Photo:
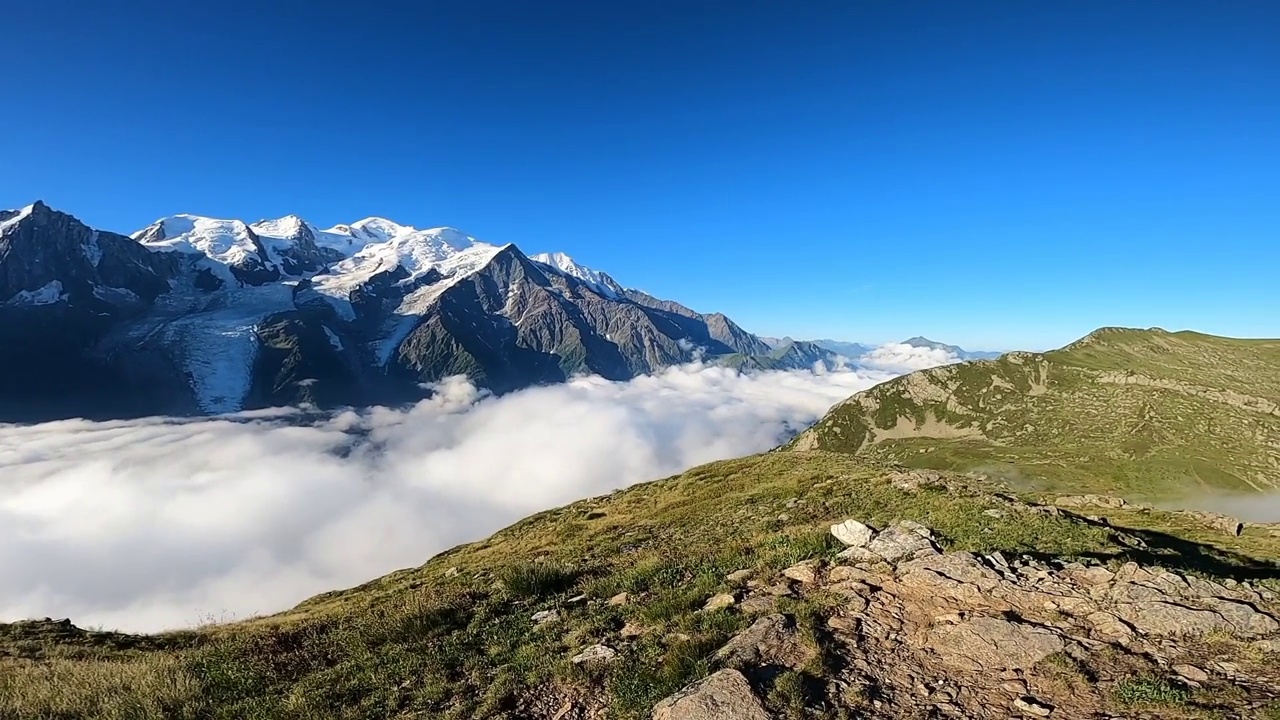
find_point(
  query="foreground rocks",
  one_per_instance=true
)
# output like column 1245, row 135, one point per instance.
column 909, row 631
column 725, row 695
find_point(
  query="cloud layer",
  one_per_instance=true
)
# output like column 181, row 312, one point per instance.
column 901, row 358
column 160, row 523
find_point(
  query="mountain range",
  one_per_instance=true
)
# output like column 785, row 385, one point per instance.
column 196, row 315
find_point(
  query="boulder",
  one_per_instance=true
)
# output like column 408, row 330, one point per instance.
column 1168, row 619
column 852, row 533
column 859, row 555
column 1080, row 501
column 1216, row 521
column 724, row 695
column 902, row 540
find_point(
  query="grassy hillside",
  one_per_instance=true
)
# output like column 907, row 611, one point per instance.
column 1147, row 413
column 455, row 638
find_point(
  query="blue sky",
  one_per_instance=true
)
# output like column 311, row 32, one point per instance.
column 997, row 175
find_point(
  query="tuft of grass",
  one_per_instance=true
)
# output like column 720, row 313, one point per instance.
column 535, row 580
column 651, row 672
column 1149, row 690
column 790, row 695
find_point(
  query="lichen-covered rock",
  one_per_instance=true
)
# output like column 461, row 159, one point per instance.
column 595, row 654
column 719, row 602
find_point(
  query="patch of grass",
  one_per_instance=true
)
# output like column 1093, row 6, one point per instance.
column 152, row 686
column 533, row 580
column 651, row 672
column 1149, row 690
column 1064, row 671
column 789, row 694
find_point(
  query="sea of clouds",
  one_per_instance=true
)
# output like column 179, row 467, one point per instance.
column 162, row 523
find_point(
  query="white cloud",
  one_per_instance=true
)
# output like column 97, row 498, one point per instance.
column 902, row 358
column 161, row 523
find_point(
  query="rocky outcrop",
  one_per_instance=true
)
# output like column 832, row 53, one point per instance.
column 918, row 632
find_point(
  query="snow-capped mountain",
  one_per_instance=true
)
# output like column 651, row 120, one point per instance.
column 565, row 265
column 202, row 315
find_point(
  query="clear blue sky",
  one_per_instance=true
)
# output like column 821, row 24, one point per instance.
column 997, row 175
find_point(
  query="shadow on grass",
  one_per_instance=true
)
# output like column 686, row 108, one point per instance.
column 1156, row 548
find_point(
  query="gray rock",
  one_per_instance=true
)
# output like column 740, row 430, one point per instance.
column 595, row 654
column 1217, row 521
column 545, row 616
column 724, row 695
column 1243, row 618
column 1192, row 673
column 802, row 572
column 902, row 540
column 1168, row 619
column 1031, row 706
column 859, row 555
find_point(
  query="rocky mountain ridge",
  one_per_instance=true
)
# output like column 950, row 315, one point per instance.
column 199, row 315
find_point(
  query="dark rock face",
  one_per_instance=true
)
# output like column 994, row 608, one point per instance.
column 301, row 361
column 48, row 246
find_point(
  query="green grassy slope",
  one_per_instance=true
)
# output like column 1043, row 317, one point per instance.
column 454, row 638
column 1145, row 413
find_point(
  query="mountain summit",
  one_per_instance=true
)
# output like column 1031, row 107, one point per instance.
column 193, row 314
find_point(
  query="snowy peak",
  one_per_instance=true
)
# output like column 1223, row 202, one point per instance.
column 565, row 265
column 225, row 241
column 287, row 227
column 381, row 230
column 10, row 218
